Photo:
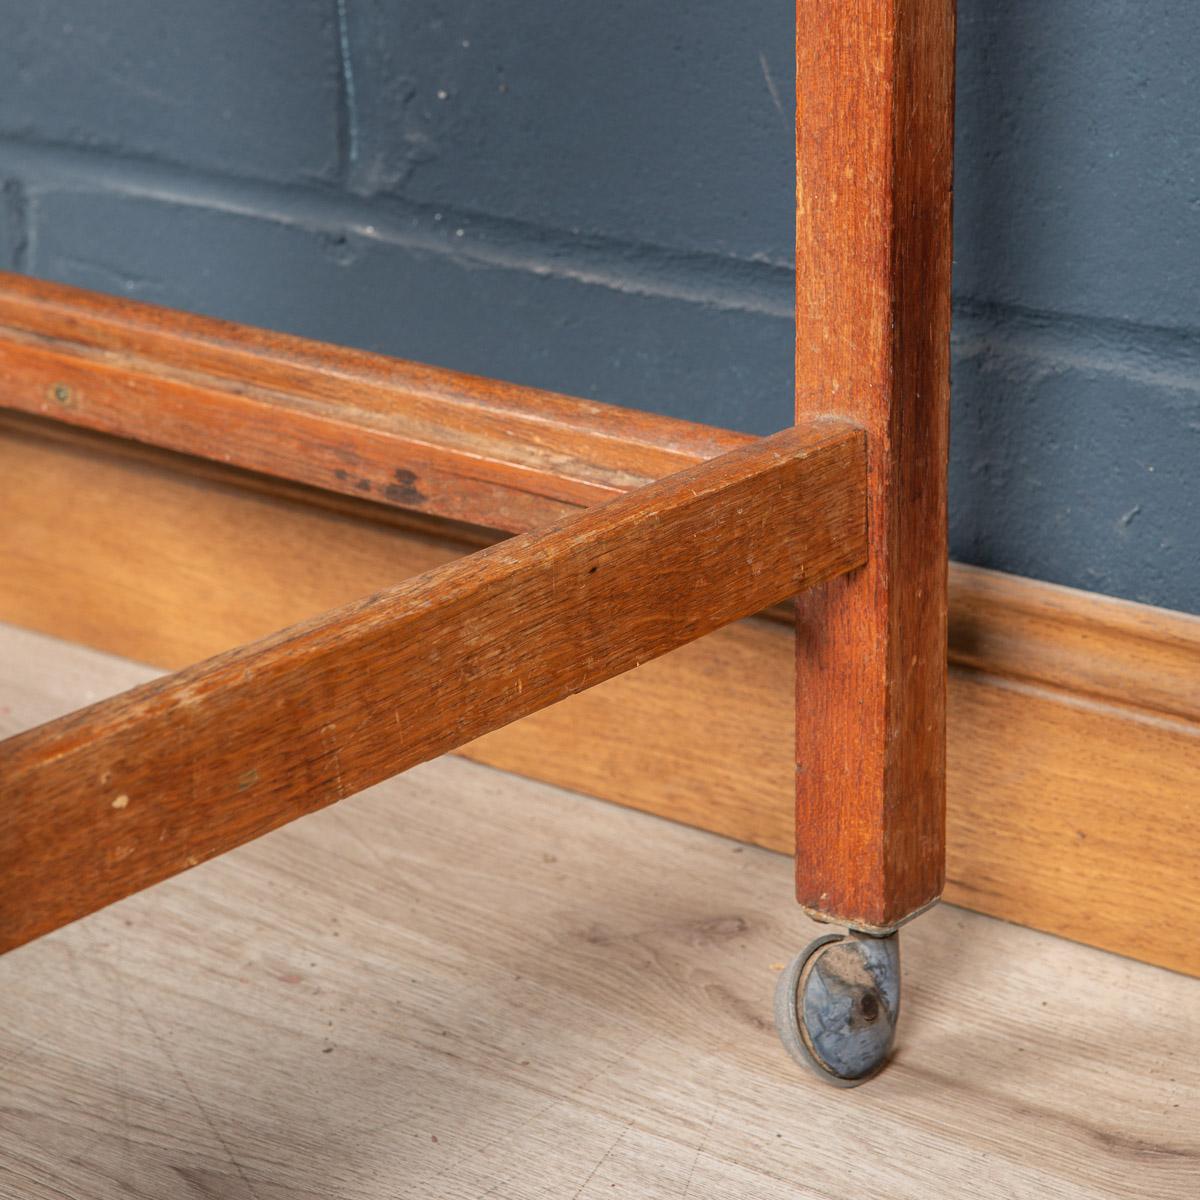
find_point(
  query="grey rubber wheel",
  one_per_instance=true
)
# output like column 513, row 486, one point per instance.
column 837, row 1003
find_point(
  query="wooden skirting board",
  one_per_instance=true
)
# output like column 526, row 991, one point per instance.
column 1074, row 741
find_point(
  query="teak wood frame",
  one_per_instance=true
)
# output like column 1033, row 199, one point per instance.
column 327, row 705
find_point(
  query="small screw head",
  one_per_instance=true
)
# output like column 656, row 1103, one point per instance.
column 61, row 394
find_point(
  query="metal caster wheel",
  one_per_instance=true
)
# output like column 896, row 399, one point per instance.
column 836, row 1006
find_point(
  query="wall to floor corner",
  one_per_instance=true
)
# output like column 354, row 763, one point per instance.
column 597, row 199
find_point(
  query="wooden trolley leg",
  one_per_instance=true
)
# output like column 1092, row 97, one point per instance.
column 874, row 148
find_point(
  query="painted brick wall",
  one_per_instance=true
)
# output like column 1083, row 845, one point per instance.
column 596, row 198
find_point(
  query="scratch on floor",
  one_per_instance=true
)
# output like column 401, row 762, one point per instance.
column 348, row 828
column 200, row 1108
column 120, row 997
column 687, row 1187
column 603, row 1159
column 554, row 1102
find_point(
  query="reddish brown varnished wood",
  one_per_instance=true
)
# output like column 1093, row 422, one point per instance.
column 874, row 145
column 432, row 440
column 874, row 149
column 117, row 796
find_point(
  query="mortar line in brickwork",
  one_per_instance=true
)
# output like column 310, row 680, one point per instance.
column 1098, row 343
column 1163, row 357
column 695, row 276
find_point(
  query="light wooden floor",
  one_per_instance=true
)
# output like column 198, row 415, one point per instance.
column 463, row 984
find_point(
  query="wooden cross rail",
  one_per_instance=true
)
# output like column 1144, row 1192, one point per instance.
column 120, row 795
column 431, row 440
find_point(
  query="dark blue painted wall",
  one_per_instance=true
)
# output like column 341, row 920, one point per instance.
column 597, row 198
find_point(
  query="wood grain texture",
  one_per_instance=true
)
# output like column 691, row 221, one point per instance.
column 512, row 458
column 874, row 148
column 359, row 424
column 1089, row 645
column 169, row 560
column 1065, row 814
column 361, row 1005
column 122, row 794
column 1069, row 809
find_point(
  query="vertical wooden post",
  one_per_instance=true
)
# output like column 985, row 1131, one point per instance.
column 874, row 148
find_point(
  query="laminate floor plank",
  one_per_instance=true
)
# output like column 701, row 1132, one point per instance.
column 465, row 984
